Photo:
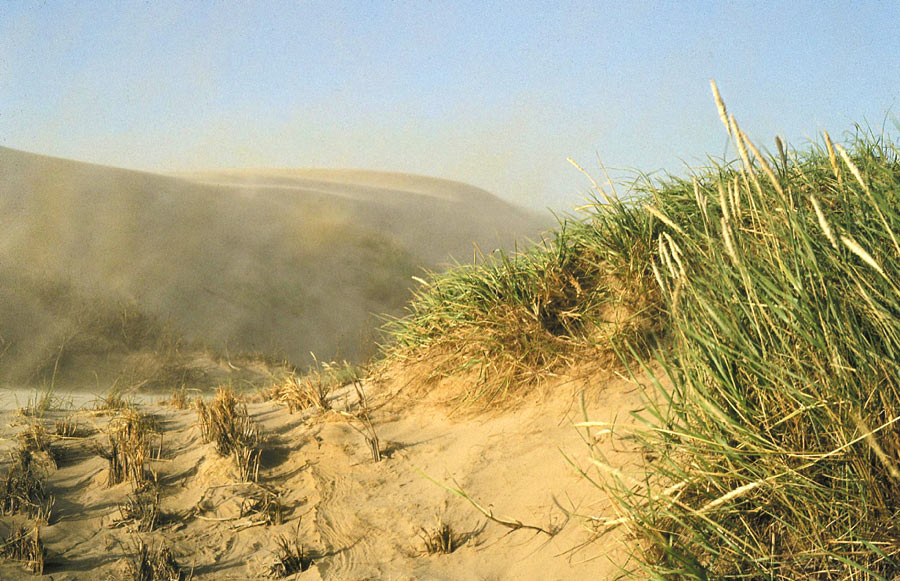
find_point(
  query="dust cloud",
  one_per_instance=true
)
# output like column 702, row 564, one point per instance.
column 98, row 264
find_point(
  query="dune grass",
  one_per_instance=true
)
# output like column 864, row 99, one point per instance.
column 776, row 448
column 513, row 318
column 772, row 284
column 226, row 422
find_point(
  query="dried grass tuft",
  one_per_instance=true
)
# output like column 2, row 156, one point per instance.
column 22, row 490
column 128, row 435
column 226, row 422
column 290, row 557
column 25, row 547
column 147, row 564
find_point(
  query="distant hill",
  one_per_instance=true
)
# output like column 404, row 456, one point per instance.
column 282, row 262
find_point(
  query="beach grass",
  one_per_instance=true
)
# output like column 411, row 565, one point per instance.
column 765, row 291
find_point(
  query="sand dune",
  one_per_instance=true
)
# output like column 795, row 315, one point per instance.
column 356, row 518
column 283, row 262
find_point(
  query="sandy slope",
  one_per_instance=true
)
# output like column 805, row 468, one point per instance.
column 278, row 261
column 360, row 518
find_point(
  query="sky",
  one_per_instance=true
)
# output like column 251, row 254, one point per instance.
column 495, row 94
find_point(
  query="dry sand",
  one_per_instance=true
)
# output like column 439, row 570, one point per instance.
column 358, row 518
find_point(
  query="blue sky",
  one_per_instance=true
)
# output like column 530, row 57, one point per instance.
column 494, row 94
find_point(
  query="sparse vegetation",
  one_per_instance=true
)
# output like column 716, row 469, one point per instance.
column 23, row 490
column 141, row 509
column 364, row 417
column 440, row 540
column 179, row 399
column 25, row 547
column 128, row 435
column 113, row 401
column 312, row 389
column 69, row 427
column 36, row 439
column 290, row 556
column 40, row 403
column 148, row 564
column 226, row 422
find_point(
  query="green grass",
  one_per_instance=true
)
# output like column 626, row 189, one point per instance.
column 513, row 318
column 773, row 284
column 778, row 430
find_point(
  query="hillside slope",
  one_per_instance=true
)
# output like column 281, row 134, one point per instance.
column 279, row 261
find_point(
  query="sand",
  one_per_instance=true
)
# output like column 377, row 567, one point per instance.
column 359, row 519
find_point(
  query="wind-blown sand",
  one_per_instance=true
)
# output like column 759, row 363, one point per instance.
column 359, row 519
column 283, row 262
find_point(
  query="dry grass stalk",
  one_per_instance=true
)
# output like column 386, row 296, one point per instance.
column 823, row 223
column 368, row 427
column 227, row 423
column 22, row 490
column 153, row 564
column 441, row 540
column 179, row 399
column 267, row 505
column 25, row 547
column 720, row 105
column 300, row 393
column 832, row 158
column 290, row 557
column 129, row 447
column 141, row 509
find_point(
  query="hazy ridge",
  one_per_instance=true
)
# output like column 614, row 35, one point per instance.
column 278, row 261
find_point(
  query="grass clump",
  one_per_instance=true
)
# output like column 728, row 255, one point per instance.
column 514, row 318
column 290, row 557
column 179, row 399
column 141, row 510
column 25, row 547
column 113, row 402
column 148, row 564
column 440, row 540
column 311, row 390
column 226, row 422
column 775, row 450
column 69, row 427
column 22, row 489
column 773, row 445
column 37, row 440
column 128, row 436
column 40, row 403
